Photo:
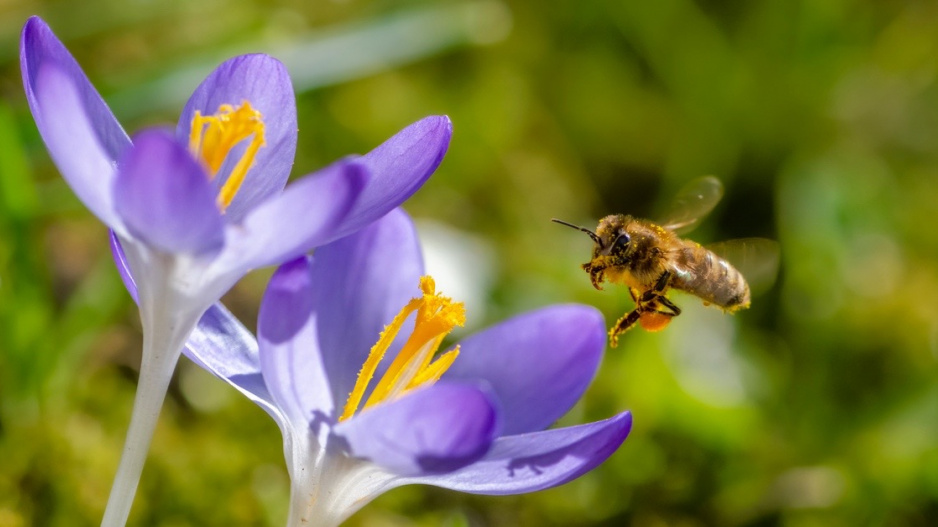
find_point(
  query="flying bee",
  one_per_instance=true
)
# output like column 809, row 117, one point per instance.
column 650, row 258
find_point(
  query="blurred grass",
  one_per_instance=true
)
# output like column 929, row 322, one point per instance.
column 818, row 406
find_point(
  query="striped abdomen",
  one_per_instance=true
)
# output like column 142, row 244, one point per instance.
column 704, row 274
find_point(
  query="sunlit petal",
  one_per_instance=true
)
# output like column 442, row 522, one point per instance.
column 537, row 460
column 429, row 431
column 539, row 364
column 264, row 82
column 164, row 197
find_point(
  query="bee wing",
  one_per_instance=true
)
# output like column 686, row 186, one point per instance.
column 756, row 258
column 693, row 202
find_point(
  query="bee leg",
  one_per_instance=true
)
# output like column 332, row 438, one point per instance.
column 650, row 301
column 655, row 293
column 675, row 311
column 635, row 296
column 596, row 274
column 659, row 304
column 663, row 281
column 597, row 280
column 622, row 325
column 648, row 298
column 657, row 313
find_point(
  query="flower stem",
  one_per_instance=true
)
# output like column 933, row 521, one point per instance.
column 161, row 351
column 303, row 463
column 324, row 492
column 301, row 508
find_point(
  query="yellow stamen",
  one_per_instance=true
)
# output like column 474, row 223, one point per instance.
column 435, row 370
column 436, row 316
column 211, row 138
column 375, row 356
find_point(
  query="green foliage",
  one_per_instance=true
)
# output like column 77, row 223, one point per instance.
column 818, row 406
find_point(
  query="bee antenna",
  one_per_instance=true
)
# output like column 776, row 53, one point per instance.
column 592, row 234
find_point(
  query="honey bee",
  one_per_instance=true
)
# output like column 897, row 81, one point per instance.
column 651, row 259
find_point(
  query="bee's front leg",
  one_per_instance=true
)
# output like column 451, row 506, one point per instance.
column 596, row 274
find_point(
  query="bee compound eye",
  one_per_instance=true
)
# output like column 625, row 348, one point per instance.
column 622, row 241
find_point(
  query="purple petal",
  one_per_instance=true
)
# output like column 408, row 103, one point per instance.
column 123, row 266
column 264, row 82
column 69, row 132
column 300, row 218
column 361, row 283
column 165, row 198
column 429, row 431
column 399, row 167
column 290, row 358
column 82, row 135
column 538, row 460
column 224, row 347
column 538, row 364
column 40, row 47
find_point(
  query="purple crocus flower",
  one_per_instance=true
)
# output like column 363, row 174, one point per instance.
column 480, row 429
column 195, row 209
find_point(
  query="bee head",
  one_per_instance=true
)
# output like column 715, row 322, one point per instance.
column 615, row 243
column 621, row 245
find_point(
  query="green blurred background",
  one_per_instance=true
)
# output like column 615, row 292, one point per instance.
column 818, row 406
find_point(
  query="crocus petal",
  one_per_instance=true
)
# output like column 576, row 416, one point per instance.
column 361, row 282
column 69, row 132
column 538, row 364
column 290, row 358
column 429, row 431
column 262, row 81
column 227, row 349
column 301, row 217
column 123, row 266
column 538, row 460
column 165, row 198
column 82, row 135
column 399, row 166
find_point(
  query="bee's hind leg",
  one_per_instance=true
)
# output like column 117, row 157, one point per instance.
column 622, row 325
column 663, row 282
column 661, row 285
column 636, row 296
column 656, row 314
column 654, row 300
column 651, row 301
column 674, row 310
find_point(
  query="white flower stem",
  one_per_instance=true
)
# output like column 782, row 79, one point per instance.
column 161, row 349
column 308, row 509
column 304, row 464
column 302, row 511
column 326, row 492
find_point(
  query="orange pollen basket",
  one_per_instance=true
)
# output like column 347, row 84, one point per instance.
column 212, row 137
column 414, row 366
